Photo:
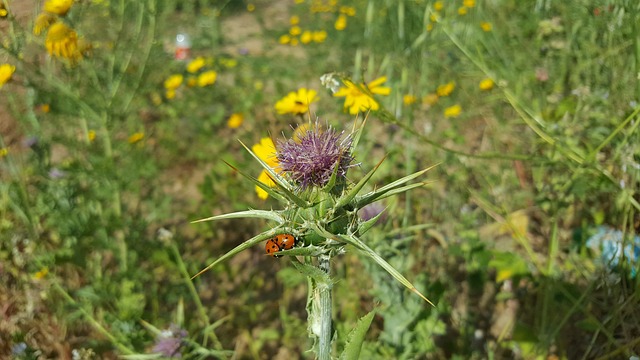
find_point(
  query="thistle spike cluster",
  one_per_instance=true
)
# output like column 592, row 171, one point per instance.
column 312, row 159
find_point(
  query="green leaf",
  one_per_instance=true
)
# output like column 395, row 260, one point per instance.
column 245, row 245
column 257, row 214
column 356, row 242
column 345, row 199
column 376, row 194
column 355, row 339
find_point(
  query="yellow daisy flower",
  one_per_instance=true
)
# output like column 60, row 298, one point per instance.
column 446, row 89
column 469, row 3
column 135, row 137
column 58, row 7
column 6, row 72
column 173, row 82
column 296, row 102
column 486, row 84
column 91, row 135
column 3, row 152
column 235, row 120
column 357, row 100
column 62, row 41
column 3, row 10
column 251, row 7
column 430, row 99
column 294, row 20
column 295, row 30
column 486, row 26
column 408, row 99
column 195, row 65
column 207, row 78
column 284, row 39
column 438, row 5
column 452, row 111
column 266, row 151
column 341, row 22
column 462, row 10
column 319, row 36
column 306, row 37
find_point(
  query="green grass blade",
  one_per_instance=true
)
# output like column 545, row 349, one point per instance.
column 345, row 199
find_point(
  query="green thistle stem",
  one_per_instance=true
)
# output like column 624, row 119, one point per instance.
column 323, row 291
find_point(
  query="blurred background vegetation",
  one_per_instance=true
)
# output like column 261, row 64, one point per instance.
column 526, row 240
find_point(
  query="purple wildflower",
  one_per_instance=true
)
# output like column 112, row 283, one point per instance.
column 370, row 211
column 56, row 173
column 168, row 343
column 311, row 160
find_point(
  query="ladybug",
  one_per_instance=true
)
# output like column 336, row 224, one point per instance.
column 285, row 241
column 271, row 247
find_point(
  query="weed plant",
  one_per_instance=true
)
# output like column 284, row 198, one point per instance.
column 525, row 239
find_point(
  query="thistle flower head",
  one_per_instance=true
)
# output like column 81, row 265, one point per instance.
column 311, row 159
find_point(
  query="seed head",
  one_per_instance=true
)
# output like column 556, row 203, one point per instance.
column 311, row 159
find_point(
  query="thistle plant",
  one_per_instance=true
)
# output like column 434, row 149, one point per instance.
column 320, row 208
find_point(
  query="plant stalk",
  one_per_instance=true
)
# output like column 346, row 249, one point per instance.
column 324, row 298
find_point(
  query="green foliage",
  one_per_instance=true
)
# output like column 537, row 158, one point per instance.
column 103, row 167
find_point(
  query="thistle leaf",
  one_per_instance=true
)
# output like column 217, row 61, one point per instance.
column 375, row 194
column 357, row 243
column 379, row 195
column 345, row 199
column 245, row 245
column 319, row 276
column 258, row 183
column 355, row 339
column 257, row 214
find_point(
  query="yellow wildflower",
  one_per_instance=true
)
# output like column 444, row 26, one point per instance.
column 229, row 63
column 251, row 7
column 434, row 17
column 41, row 274
column 207, row 78
column 3, row 152
column 452, row 111
column 486, row 84
column 195, row 64
column 3, row 10
column 462, row 10
column 348, row 10
column 266, row 151
column 430, row 99
column 429, row 27
column 300, row 131
column 294, row 42
column 295, row 30
column 408, row 99
column 486, row 26
column 438, row 5
column 191, row 81
column 296, row 102
column 170, row 94
column 42, row 23
column 469, row 3
column 6, row 72
column 173, row 82
column 446, row 89
column 58, row 7
column 135, row 137
column 341, row 22
column 235, row 120
column 319, row 36
column 45, row 108
column 299, row 1
column 62, row 41
column 357, row 100
column 91, row 135
column 306, row 37
column 284, row 39
column 294, row 20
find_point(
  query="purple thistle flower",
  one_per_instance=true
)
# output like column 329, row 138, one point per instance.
column 168, row 343
column 311, row 160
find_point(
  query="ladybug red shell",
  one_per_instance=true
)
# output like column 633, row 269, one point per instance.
column 285, row 241
column 271, row 247
column 278, row 243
